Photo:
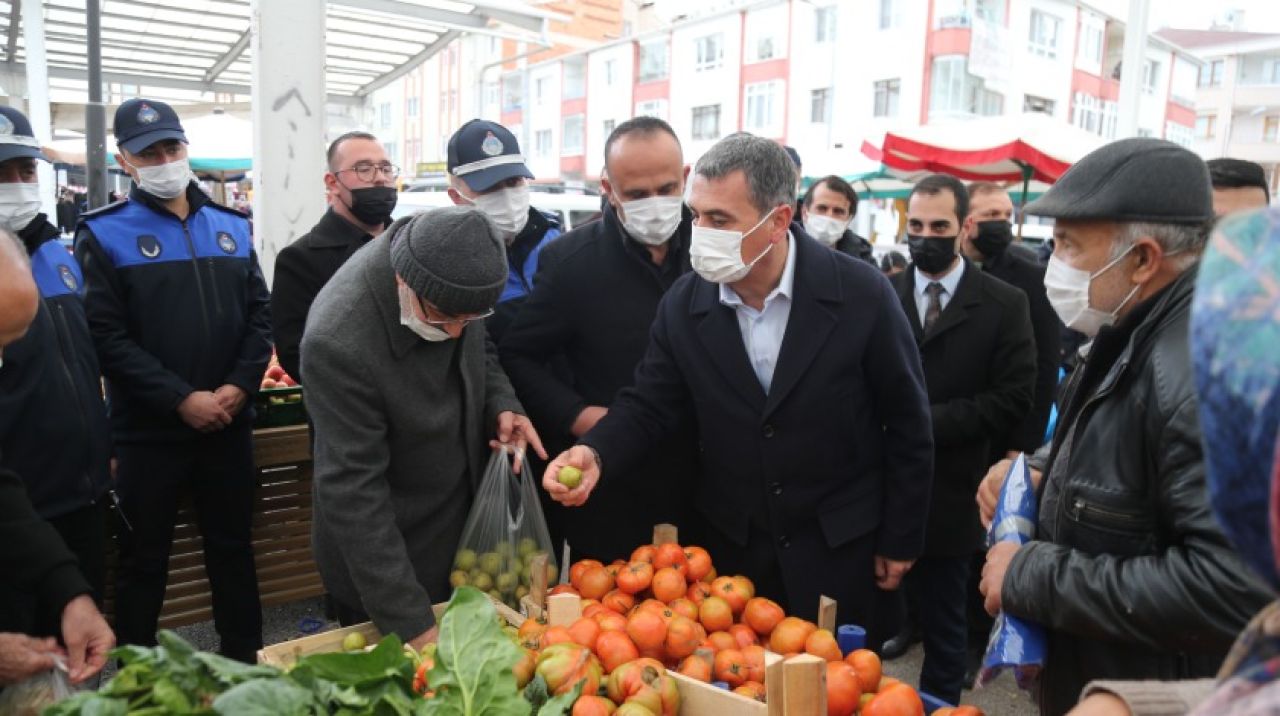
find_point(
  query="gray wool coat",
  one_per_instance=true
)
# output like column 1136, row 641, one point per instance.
column 401, row 440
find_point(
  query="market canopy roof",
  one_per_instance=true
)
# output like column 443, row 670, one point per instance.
column 1001, row 149
column 203, row 45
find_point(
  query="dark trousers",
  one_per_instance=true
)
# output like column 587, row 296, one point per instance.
column 217, row 471
column 936, row 588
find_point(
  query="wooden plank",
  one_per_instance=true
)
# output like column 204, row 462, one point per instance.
column 538, row 582
column 700, row 699
column 800, row 674
column 827, row 614
column 563, row 609
column 279, row 446
column 665, row 534
column 774, row 684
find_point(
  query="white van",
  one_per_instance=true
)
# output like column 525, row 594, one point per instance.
column 573, row 210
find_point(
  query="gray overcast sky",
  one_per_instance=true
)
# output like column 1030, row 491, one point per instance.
column 1259, row 15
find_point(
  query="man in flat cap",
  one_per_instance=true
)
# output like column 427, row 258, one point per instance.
column 404, row 398
column 1129, row 573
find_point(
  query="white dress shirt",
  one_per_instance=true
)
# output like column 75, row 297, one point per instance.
column 949, row 283
column 762, row 331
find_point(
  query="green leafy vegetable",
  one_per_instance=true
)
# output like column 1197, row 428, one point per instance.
column 268, row 697
column 473, row 670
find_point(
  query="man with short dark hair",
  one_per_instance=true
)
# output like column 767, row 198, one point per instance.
column 976, row 346
column 360, row 189
column 1238, row 185
column 632, row 255
column 826, row 211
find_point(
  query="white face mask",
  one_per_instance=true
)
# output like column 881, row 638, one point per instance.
column 716, row 254
column 824, row 228
column 19, row 204
column 409, row 318
column 508, row 209
column 653, row 220
column 165, row 181
column 1068, row 291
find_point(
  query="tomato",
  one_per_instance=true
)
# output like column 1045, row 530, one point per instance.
column 636, row 577
column 615, row 648
column 867, row 663
column 531, row 628
column 753, row 657
column 578, row 569
column 730, row 667
column 822, row 644
column 698, row 591
column 668, row 584
column 671, row 555
column 633, row 709
column 564, row 665
column 683, row 637
column 644, row 553
column 745, row 586
column 728, row 589
column 744, row 635
column 614, row 567
column 752, row 690
column 716, row 615
column 563, row 589
column 886, row 682
column 895, row 700
column 611, row 621
column 585, row 631
column 647, row 629
column 698, row 665
column 790, row 634
column 631, row 677
column 592, row 705
column 711, row 576
column 524, row 668
column 844, row 695
column 591, row 607
column 762, row 614
column 618, row 601
column 420, row 685
column 699, row 561
column 720, row 640
column 684, row 608
column 595, row 582
column 555, row 635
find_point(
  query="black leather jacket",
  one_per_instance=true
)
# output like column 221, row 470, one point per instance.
column 1130, row 574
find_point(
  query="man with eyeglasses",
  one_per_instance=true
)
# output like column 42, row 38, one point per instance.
column 405, row 398
column 360, row 189
column 487, row 171
column 181, row 320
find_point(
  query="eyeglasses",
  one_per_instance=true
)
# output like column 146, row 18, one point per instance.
column 450, row 321
column 368, row 171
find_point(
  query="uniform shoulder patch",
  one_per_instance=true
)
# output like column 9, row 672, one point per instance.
column 149, row 246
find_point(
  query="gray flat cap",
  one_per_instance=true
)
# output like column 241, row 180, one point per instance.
column 1137, row 179
column 452, row 257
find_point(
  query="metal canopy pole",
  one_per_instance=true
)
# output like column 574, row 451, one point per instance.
column 95, row 114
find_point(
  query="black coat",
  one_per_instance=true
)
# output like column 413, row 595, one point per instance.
column 979, row 365
column 1019, row 269
column 576, row 343
column 34, row 560
column 302, row 269
column 856, row 246
column 833, row 466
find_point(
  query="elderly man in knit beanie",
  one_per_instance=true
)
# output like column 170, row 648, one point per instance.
column 405, row 394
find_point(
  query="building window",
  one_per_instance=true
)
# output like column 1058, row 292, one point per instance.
column 652, row 108
column 706, row 122
column 824, row 23
column 763, row 103
column 950, row 13
column 762, row 49
column 1045, row 30
column 540, row 91
column 1150, row 76
column 384, row 115
column 492, row 91
column 393, row 152
column 411, row 107
column 575, row 78
column 991, row 11
column 610, row 71
column 653, row 61
column 1274, row 75
column 571, row 136
column 1211, row 73
column 606, row 127
column 889, row 17
column 1091, row 44
column 820, row 105
column 953, row 91
column 1270, row 128
column 512, row 93
column 710, row 52
column 886, row 100
column 1179, row 134
column 542, row 142
column 1032, row 103
column 1206, row 126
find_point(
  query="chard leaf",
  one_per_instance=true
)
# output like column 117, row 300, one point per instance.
column 266, row 697
column 473, row 670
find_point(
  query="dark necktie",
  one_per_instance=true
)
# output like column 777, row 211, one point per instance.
column 934, row 291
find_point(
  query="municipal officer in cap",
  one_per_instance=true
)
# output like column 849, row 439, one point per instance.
column 53, row 424
column 487, row 170
column 180, row 314
column 405, row 398
column 1129, row 572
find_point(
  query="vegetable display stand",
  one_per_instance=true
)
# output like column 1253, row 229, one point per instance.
column 282, row 555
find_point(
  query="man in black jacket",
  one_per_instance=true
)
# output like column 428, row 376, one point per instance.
column 826, row 211
column 53, row 425
column 35, row 560
column 360, row 189
column 976, row 346
column 594, row 298
column 1129, row 573
column 181, row 319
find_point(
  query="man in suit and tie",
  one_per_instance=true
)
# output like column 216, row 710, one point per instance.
column 797, row 367
column 975, row 340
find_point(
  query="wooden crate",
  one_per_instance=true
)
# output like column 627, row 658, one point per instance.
column 281, row 535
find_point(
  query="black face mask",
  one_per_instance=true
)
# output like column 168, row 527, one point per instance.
column 993, row 238
column 372, row 205
column 932, row 254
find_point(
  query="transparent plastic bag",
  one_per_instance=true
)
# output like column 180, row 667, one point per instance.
column 504, row 533
column 33, row 696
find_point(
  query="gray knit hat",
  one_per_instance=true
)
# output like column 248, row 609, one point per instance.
column 1136, row 179
column 452, row 257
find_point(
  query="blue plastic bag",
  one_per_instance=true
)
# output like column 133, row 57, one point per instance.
column 1014, row 643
